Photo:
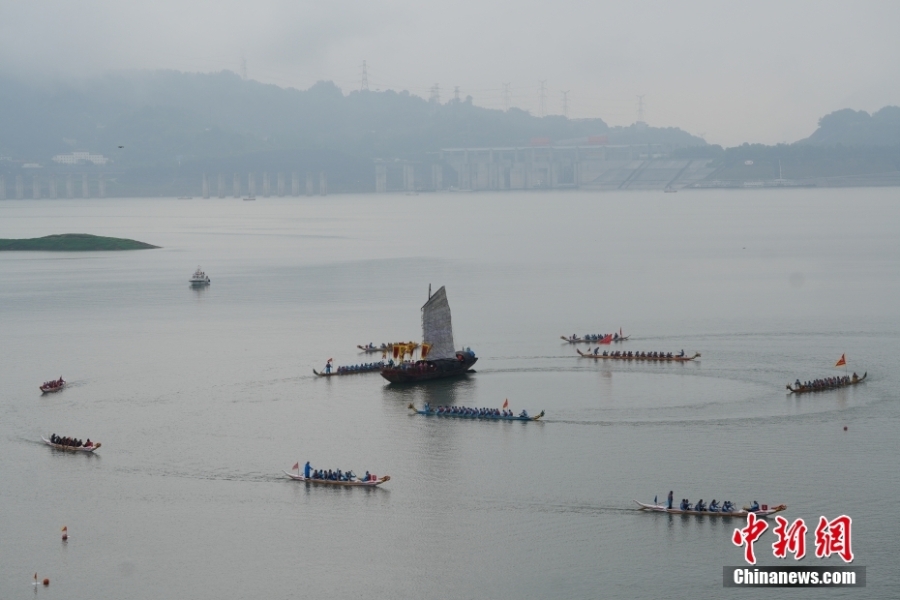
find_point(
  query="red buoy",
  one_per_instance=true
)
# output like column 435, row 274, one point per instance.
column 46, row 581
column 845, row 428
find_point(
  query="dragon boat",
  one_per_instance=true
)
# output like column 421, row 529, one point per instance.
column 578, row 340
column 374, row 349
column 352, row 483
column 439, row 359
column 88, row 449
column 824, row 388
column 353, row 370
column 430, row 412
column 764, row 511
column 49, row 387
column 634, row 356
column 387, row 348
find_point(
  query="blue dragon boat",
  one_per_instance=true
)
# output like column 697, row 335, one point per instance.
column 472, row 413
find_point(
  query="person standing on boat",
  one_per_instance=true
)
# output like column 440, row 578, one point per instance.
column 306, row 470
column 671, row 498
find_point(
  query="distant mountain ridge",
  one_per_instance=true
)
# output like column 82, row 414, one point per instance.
column 168, row 117
column 850, row 127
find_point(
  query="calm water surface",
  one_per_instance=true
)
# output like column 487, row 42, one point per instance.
column 201, row 397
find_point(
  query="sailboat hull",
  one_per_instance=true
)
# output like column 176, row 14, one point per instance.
column 425, row 370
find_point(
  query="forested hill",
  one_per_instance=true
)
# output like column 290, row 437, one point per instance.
column 849, row 127
column 165, row 116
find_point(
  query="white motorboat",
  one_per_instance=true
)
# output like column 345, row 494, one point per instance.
column 199, row 277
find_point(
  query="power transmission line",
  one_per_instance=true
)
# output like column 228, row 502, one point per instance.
column 565, row 96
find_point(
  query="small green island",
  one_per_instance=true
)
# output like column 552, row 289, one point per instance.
column 73, row 242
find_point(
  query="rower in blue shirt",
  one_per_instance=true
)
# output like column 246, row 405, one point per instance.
column 754, row 506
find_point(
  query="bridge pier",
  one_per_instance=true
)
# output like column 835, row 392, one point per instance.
column 380, row 178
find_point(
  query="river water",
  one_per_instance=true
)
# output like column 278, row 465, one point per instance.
column 201, row 397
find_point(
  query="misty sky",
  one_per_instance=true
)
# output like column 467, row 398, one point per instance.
column 756, row 71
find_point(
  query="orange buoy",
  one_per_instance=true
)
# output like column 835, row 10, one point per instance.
column 46, row 581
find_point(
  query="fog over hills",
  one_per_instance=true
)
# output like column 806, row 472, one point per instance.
column 162, row 130
column 167, row 117
column 858, row 128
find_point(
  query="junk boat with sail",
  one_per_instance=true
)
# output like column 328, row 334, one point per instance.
column 438, row 357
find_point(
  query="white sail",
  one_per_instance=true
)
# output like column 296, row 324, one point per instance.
column 437, row 330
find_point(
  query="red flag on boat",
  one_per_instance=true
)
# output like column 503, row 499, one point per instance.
column 607, row 339
column 842, row 361
column 506, row 403
column 296, row 466
column 330, row 359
